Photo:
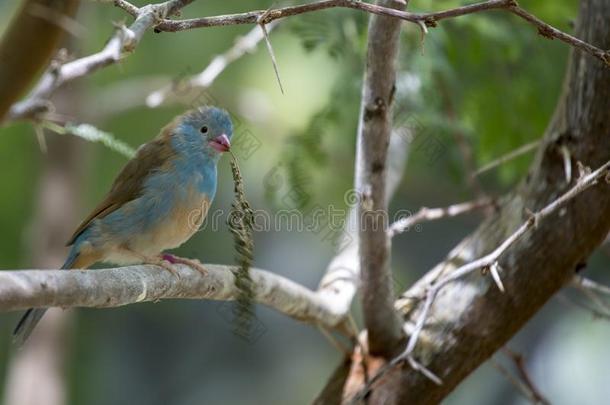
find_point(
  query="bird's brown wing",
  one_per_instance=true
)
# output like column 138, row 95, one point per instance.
column 128, row 184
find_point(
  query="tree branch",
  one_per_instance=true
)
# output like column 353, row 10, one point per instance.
column 129, row 285
column 374, row 128
column 428, row 19
column 470, row 319
column 126, row 39
column 490, row 261
column 431, row 214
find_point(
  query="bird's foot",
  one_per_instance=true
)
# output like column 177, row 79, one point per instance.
column 194, row 263
column 168, row 265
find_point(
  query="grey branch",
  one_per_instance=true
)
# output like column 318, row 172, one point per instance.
column 129, row 285
column 374, row 129
column 342, row 277
column 432, row 214
column 528, row 147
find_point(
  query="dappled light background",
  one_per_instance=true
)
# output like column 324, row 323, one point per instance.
column 488, row 79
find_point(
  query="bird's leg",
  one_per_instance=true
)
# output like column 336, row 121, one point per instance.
column 160, row 261
column 166, row 264
column 194, row 263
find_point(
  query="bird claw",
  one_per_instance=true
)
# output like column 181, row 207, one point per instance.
column 169, row 266
column 193, row 263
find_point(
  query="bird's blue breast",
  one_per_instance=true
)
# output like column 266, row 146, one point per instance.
column 168, row 188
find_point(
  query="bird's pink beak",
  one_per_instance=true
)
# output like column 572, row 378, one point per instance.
column 221, row 143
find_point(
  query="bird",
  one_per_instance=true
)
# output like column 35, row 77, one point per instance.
column 157, row 202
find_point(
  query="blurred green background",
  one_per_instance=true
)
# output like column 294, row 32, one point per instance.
column 487, row 78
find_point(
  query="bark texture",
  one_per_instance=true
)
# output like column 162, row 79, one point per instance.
column 470, row 318
column 374, row 128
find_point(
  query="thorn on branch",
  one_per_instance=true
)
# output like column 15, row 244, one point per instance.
column 567, row 163
column 261, row 22
column 494, row 269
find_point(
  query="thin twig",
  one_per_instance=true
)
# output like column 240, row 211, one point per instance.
column 429, row 19
column 271, row 54
column 519, row 361
column 508, row 157
column 583, row 282
column 597, row 314
column 591, row 289
column 126, row 39
column 430, row 214
column 517, row 383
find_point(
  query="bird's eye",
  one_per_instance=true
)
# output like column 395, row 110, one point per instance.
column 204, row 130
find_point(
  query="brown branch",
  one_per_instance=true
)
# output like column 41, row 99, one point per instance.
column 28, row 44
column 429, row 19
column 252, row 17
column 490, row 261
column 528, row 147
column 374, row 128
column 470, row 319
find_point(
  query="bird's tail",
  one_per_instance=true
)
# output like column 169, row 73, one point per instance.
column 30, row 319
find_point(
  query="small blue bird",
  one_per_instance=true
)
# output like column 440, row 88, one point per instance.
column 157, row 202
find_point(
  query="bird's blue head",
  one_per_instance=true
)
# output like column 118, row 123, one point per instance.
column 205, row 127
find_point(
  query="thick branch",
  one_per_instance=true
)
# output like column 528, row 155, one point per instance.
column 374, row 128
column 129, row 285
column 471, row 318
